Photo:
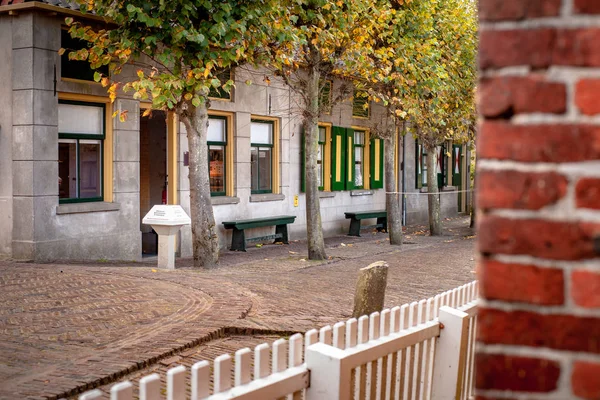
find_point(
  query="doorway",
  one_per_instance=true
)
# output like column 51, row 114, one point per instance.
column 153, row 173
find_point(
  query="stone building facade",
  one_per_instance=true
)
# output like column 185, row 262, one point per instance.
column 75, row 182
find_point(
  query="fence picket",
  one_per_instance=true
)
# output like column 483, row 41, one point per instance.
column 243, row 366
column 428, row 371
column 351, row 333
column 150, row 387
column 361, row 372
column 310, row 337
column 222, row 373
column 295, row 350
column 122, row 391
column 261, row 361
column 384, row 367
column 339, row 337
column 279, row 355
column 394, row 372
column 325, row 335
column 200, row 380
column 372, row 367
column 176, row 383
column 395, row 319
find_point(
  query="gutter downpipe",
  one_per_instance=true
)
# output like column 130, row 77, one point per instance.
column 403, row 174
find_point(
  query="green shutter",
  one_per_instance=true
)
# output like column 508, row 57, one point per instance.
column 350, row 159
column 302, row 163
column 338, row 158
column 440, row 150
column 418, row 165
column 376, row 168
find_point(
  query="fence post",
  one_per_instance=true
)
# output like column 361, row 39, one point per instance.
column 450, row 354
column 328, row 380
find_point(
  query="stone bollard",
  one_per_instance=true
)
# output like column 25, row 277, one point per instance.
column 370, row 289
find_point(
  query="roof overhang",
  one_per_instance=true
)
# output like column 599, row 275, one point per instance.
column 15, row 9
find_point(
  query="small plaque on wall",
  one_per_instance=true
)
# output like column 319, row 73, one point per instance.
column 186, row 158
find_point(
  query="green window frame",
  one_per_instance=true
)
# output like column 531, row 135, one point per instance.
column 358, row 159
column 75, row 143
column 321, row 156
column 261, row 146
column 360, row 105
column 420, row 165
column 217, row 156
column 75, row 69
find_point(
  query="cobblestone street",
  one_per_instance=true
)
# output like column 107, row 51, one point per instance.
column 66, row 328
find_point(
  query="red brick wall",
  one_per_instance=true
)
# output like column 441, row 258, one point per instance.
column 539, row 200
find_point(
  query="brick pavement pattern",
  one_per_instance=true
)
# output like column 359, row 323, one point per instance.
column 62, row 333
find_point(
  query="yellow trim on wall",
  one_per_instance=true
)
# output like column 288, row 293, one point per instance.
column 327, row 157
column 338, row 158
column 172, row 158
column 377, row 160
column 276, row 176
column 83, row 97
column 108, row 147
column 229, row 151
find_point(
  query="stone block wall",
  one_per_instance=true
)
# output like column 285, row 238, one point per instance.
column 539, row 200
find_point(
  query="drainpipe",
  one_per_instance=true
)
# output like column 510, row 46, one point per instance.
column 403, row 176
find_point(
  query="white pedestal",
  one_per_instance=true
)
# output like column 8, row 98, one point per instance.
column 166, row 251
column 166, row 222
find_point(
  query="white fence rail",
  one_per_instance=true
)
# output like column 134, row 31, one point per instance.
column 423, row 350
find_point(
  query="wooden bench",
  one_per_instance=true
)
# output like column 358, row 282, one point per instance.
column 356, row 217
column 238, row 239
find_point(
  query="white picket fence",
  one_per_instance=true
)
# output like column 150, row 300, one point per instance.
column 423, row 350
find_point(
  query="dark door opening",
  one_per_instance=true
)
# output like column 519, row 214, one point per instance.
column 153, row 173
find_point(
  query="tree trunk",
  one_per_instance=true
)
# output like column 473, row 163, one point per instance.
column 314, row 231
column 204, row 231
column 433, row 198
column 392, row 198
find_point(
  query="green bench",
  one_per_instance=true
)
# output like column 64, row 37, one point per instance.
column 356, row 217
column 238, row 239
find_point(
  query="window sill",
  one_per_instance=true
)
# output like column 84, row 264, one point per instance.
column 424, row 189
column 361, row 192
column 257, row 198
column 77, row 208
column 219, row 200
column 449, row 188
column 326, row 195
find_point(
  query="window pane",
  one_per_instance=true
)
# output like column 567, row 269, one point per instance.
column 359, row 137
column 424, row 174
column 254, row 168
column 67, row 169
column 85, row 120
column 90, row 169
column 358, row 175
column 261, row 132
column 321, row 134
column 216, row 130
column 264, row 167
column 216, row 160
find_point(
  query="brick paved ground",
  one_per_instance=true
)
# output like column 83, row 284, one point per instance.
column 64, row 332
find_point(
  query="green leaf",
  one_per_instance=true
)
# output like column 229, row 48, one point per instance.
column 97, row 76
